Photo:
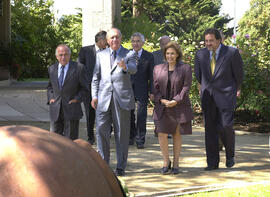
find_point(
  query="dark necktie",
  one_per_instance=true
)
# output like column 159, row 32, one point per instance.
column 137, row 58
column 213, row 62
column 61, row 77
column 113, row 57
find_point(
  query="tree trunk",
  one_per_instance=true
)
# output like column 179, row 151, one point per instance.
column 136, row 9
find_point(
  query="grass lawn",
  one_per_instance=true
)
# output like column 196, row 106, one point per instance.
column 249, row 191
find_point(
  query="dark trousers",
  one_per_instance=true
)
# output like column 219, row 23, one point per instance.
column 90, row 118
column 217, row 120
column 138, row 122
column 67, row 128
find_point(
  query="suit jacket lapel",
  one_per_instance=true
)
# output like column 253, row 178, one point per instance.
column 174, row 75
column 55, row 75
column 164, row 76
column 220, row 59
column 118, row 59
column 113, row 67
column 70, row 71
column 141, row 59
column 207, row 62
column 105, row 56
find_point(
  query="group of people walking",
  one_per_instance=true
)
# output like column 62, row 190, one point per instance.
column 115, row 84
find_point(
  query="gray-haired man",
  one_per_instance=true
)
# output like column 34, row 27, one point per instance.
column 142, row 87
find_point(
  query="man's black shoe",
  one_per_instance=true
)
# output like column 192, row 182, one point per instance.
column 119, row 172
column 140, row 146
column 209, row 168
column 230, row 163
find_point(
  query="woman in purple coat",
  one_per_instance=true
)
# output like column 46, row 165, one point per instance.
column 172, row 112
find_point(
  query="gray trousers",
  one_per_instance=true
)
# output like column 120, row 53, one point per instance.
column 121, row 123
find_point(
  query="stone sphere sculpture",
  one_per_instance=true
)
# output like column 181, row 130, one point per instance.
column 38, row 163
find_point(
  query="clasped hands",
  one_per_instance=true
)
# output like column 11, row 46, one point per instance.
column 168, row 103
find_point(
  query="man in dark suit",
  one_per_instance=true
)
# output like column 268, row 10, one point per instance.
column 113, row 98
column 87, row 57
column 67, row 85
column 142, row 86
column 219, row 70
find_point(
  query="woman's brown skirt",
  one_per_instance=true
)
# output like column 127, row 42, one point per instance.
column 169, row 122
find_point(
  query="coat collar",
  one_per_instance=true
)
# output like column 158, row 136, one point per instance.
column 220, row 59
column 118, row 57
column 55, row 73
column 70, row 72
column 174, row 75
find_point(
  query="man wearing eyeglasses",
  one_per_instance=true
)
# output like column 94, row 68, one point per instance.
column 142, row 88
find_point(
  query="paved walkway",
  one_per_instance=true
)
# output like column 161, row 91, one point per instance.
column 25, row 103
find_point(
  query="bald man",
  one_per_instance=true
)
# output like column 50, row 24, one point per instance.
column 158, row 55
column 113, row 98
column 67, row 85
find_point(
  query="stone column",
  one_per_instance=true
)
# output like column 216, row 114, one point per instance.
column 117, row 12
column 98, row 15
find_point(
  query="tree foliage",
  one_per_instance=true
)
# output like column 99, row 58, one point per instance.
column 69, row 31
column 35, row 34
column 253, row 39
column 185, row 19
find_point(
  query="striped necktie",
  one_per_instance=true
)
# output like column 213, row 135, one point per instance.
column 137, row 58
column 213, row 62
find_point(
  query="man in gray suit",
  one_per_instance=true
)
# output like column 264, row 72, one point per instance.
column 113, row 98
column 67, row 85
column 142, row 87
